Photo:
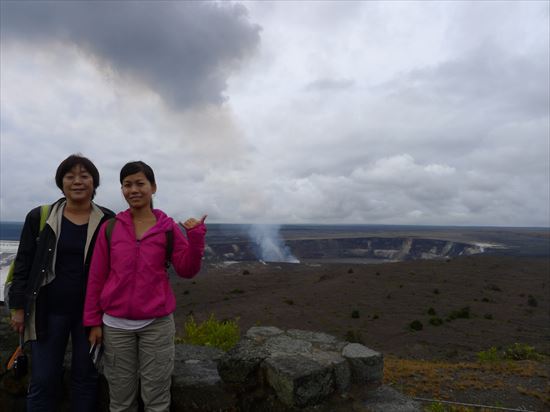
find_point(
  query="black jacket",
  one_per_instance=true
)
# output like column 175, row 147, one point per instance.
column 35, row 262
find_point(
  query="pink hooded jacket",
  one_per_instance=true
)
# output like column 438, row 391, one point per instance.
column 130, row 280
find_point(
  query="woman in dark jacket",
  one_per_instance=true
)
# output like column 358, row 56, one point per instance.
column 49, row 285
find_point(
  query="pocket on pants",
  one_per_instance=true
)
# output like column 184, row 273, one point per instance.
column 109, row 363
column 164, row 364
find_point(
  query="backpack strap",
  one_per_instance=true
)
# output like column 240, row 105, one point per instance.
column 109, row 231
column 44, row 214
column 169, row 248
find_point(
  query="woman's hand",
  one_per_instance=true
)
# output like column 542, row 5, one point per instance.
column 18, row 320
column 192, row 222
column 96, row 335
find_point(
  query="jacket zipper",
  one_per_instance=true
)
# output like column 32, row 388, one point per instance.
column 136, row 260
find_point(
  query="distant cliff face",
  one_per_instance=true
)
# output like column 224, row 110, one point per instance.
column 358, row 249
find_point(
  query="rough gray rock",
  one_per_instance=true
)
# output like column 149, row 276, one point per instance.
column 301, row 367
column 260, row 333
column 367, row 366
column 284, row 345
column 241, row 365
column 299, row 381
column 196, row 383
column 269, row 370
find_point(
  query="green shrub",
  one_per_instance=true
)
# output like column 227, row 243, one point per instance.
column 436, row 321
column 212, row 332
column 289, row 301
column 489, row 355
column 237, row 291
column 435, row 407
column 463, row 313
column 431, row 311
column 517, row 351
column 488, row 316
column 531, row 301
column 416, row 325
column 355, row 314
column 436, row 291
column 521, row 351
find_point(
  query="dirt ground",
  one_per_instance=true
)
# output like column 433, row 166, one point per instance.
column 507, row 301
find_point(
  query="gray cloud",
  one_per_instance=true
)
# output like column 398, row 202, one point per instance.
column 330, row 84
column 182, row 50
column 362, row 112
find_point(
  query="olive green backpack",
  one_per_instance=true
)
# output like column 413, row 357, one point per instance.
column 44, row 214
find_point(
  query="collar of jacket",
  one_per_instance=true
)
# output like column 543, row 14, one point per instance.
column 164, row 222
column 56, row 214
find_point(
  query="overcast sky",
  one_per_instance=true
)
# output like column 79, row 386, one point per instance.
column 285, row 112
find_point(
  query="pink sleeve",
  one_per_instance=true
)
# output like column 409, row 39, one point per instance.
column 99, row 270
column 187, row 254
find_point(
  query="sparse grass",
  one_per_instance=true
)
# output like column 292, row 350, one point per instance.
column 515, row 352
column 416, row 325
column 489, row 355
column 488, row 316
column 532, row 301
column 441, row 380
column 463, row 313
column 521, row 351
column 212, row 332
column 436, row 321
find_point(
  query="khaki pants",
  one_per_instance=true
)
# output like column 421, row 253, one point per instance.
column 145, row 354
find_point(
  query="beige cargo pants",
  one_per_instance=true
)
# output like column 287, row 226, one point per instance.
column 145, row 354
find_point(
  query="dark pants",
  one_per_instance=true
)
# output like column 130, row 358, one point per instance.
column 47, row 367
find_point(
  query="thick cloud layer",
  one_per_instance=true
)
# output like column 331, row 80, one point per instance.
column 333, row 112
column 182, row 50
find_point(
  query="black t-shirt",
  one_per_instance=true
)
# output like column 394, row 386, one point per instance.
column 65, row 294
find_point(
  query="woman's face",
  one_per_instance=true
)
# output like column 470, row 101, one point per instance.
column 137, row 190
column 78, row 185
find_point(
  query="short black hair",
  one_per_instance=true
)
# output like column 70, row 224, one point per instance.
column 73, row 160
column 131, row 168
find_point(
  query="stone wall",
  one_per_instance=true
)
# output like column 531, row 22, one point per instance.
column 268, row 370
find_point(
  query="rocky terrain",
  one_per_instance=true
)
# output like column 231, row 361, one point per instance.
column 480, row 301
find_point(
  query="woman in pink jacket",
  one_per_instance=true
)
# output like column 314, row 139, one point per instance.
column 129, row 302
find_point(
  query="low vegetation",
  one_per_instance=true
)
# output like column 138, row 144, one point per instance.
column 515, row 352
column 416, row 325
column 443, row 380
column 463, row 313
column 212, row 332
